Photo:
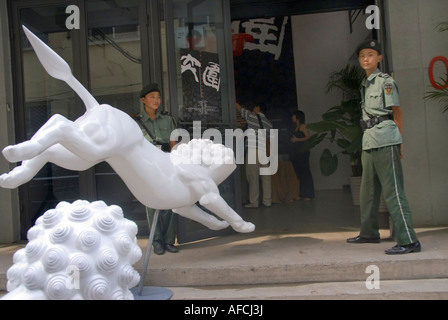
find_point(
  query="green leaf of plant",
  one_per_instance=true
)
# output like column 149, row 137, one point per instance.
column 313, row 141
column 351, row 132
column 328, row 163
column 441, row 95
column 343, row 143
column 323, row 126
column 356, row 145
column 333, row 115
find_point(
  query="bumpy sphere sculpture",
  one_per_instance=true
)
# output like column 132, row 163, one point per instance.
column 77, row 251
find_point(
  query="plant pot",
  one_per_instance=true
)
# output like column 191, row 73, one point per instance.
column 355, row 187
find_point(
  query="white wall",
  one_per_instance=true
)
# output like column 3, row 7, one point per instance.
column 323, row 44
column 415, row 42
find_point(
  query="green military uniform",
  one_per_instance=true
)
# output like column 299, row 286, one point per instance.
column 160, row 129
column 382, row 169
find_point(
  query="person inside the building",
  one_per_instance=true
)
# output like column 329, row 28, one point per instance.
column 382, row 145
column 157, row 126
column 256, row 120
column 300, row 159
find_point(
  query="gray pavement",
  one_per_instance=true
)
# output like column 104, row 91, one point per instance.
column 302, row 266
column 297, row 252
column 427, row 289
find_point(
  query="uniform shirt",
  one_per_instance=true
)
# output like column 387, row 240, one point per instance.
column 253, row 123
column 379, row 94
column 161, row 127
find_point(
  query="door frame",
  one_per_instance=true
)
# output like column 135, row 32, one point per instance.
column 150, row 33
column 19, row 93
column 225, row 49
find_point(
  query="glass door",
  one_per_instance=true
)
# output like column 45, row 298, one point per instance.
column 199, row 70
column 119, row 46
column 42, row 96
column 115, row 73
column 107, row 55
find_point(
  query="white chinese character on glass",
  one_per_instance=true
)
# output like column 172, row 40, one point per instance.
column 190, row 64
column 211, row 77
column 264, row 32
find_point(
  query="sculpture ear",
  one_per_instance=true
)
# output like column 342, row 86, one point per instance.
column 50, row 60
column 59, row 69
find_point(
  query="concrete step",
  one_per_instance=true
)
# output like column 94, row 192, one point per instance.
column 293, row 265
column 266, row 259
column 427, row 289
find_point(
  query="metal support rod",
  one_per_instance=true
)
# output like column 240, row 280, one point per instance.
column 148, row 251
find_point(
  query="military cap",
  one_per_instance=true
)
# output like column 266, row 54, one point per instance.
column 369, row 44
column 149, row 88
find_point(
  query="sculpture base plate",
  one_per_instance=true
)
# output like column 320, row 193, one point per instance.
column 152, row 293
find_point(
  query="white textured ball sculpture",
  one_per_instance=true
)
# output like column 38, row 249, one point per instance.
column 79, row 251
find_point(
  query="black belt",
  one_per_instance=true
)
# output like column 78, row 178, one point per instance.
column 373, row 122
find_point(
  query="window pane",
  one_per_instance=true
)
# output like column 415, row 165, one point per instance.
column 200, row 60
column 197, row 31
column 44, row 97
column 115, row 65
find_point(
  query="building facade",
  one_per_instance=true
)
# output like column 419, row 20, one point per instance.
column 114, row 47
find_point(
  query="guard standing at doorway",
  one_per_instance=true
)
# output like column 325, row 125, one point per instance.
column 157, row 126
column 381, row 155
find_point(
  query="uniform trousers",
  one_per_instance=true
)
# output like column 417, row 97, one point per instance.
column 253, row 179
column 382, row 172
column 165, row 232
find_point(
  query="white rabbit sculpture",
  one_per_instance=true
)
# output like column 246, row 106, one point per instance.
column 105, row 133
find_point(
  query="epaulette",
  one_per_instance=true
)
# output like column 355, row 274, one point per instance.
column 384, row 75
column 166, row 113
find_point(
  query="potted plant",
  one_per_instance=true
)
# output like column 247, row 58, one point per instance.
column 440, row 95
column 340, row 125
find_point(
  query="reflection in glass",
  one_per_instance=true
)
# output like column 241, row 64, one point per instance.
column 116, row 79
column 200, row 61
column 196, row 30
column 44, row 97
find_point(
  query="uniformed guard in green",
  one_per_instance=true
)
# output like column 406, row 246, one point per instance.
column 157, row 127
column 381, row 157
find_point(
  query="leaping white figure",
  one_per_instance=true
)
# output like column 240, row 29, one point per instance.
column 105, row 133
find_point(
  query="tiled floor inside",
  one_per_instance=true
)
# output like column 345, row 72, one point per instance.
column 330, row 211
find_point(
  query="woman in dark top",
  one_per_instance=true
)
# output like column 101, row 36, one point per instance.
column 301, row 159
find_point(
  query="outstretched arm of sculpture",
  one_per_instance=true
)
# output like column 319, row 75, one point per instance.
column 56, row 130
column 29, row 168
